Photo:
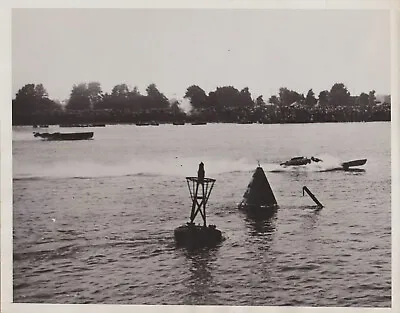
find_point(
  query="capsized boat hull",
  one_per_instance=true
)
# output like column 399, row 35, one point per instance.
column 296, row 161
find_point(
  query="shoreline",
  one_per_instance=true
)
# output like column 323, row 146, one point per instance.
column 189, row 123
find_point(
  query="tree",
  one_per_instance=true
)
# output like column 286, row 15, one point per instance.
column 157, row 99
column 323, row 97
column 27, row 91
column 245, row 98
column 371, row 98
column 283, row 96
column 227, row 97
column 287, row 97
column 135, row 91
column 310, row 98
column 79, row 98
column 95, row 94
column 387, row 99
column 260, row 101
column 120, row 91
column 40, row 92
column 212, row 100
column 122, row 98
column 273, row 100
column 339, row 95
column 197, row 96
column 363, row 99
column 33, row 98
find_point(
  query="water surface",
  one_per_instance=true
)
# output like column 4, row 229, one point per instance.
column 94, row 220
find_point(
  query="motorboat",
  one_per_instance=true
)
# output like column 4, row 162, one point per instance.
column 65, row 136
column 347, row 165
column 297, row 161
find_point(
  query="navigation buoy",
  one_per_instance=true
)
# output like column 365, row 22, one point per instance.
column 190, row 234
column 259, row 197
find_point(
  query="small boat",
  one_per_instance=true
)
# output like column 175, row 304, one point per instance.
column 178, row 123
column 199, row 123
column 353, row 163
column 65, row 136
column 142, row 124
column 296, row 161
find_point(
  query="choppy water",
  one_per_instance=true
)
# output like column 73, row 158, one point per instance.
column 94, row 220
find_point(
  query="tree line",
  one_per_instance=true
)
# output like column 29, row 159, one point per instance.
column 88, row 103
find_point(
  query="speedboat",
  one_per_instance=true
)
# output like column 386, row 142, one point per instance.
column 347, row 165
column 296, row 161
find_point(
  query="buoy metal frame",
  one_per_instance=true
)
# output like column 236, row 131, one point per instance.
column 205, row 185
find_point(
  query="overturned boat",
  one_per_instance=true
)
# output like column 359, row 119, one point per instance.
column 65, row 136
column 296, row 161
column 259, row 198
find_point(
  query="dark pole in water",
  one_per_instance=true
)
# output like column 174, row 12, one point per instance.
column 312, row 197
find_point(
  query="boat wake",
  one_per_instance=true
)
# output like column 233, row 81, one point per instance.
column 329, row 164
column 173, row 166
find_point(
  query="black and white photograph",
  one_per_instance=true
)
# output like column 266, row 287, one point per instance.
column 202, row 157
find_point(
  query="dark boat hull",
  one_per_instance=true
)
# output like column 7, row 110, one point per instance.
column 297, row 161
column 353, row 163
column 65, row 136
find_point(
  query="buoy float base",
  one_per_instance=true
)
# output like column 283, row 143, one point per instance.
column 196, row 236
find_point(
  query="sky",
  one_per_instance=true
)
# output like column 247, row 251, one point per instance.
column 175, row 48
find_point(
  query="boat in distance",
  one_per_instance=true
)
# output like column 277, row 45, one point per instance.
column 82, row 125
column 65, row 136
column 199, row 123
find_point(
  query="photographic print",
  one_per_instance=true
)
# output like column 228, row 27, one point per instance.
column 230, row 157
